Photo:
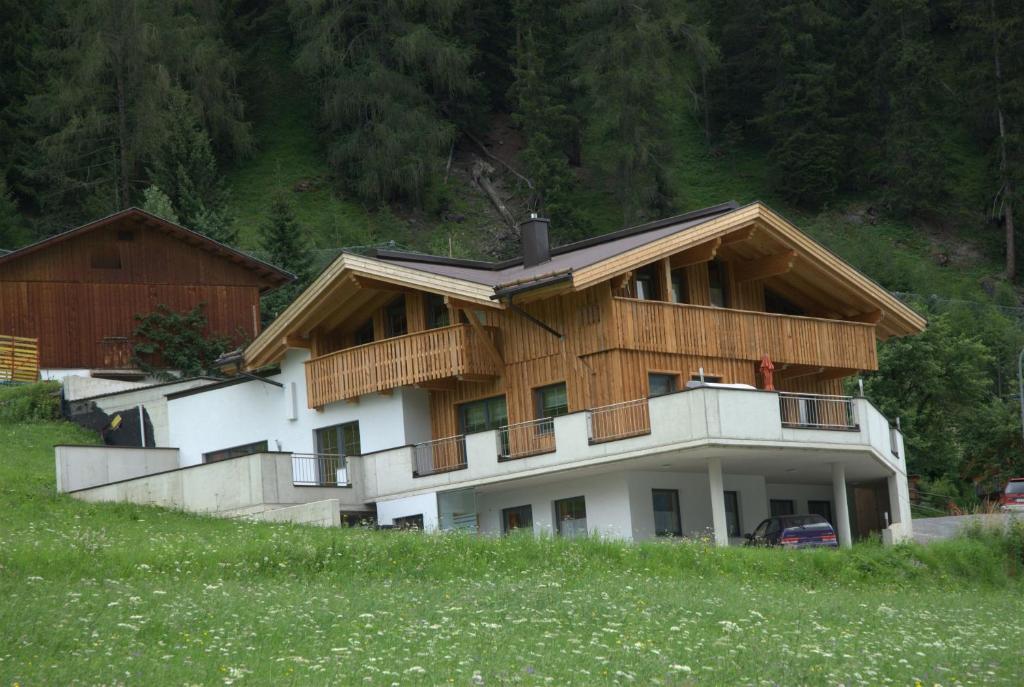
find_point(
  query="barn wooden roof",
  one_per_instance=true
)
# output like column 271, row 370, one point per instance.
column 752, row 235
column 270, row 276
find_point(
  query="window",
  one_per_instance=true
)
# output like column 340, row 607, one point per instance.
column 647, row 283
column 105, row 258
column 395, row 323
column 436, row 310
column 364, row 334
column 661, row 383
column 571, row 517
column 667, row 522
column 518, row 518
column 339, row 440
column 125, row 235
column 479, row 416
column 781, row 507
column 708, row 379
column 732, row 513
column 551, row 401
column 822, row 508
column 718, row 292
column 409, row 522
column 235, row 452
column 679, row 290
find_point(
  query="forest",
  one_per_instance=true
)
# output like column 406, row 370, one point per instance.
column 891, row 130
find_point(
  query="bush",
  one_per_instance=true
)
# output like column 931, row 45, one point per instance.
column 30, row 403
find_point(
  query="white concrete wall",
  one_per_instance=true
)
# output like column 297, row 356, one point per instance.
column 326, row 513
column 421, row 504
column 83, row 386
column 154, row 400
column 800, row 494
column 80, row 467
column 250, row 483
column 256, row 411
column 607, row 502
column 58, row 374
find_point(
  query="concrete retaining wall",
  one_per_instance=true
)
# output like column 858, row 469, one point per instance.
column 81, row 467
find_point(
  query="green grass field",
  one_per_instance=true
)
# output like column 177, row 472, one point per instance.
column 125, row 595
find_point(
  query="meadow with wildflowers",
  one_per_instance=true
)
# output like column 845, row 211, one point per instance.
column 96, row 594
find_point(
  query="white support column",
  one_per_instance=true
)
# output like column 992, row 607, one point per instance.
column 718, row 520
column 901, row 527
column 842, row 507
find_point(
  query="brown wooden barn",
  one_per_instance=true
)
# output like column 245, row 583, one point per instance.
column 78, row 292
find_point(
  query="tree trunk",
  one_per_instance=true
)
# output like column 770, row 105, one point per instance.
column 481, row 170
column 1004, row 172
column 122, row 137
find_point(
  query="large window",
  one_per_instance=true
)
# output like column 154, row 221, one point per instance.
column 661, row 383
column 518, row 518
column 647, row 283
column 409, row 522
column 718, row 291
column 339, row 440
column 479, row 416
column 571, row 517
column 395, row 323
column 782, row 507
column 822, row 508
column 732, row 513
column 679, row 289
column 436, row 310
column 551, row 400
column 235, row 452
column 667, row 522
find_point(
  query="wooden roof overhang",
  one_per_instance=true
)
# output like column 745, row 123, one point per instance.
column 351, row 285
column 765, row 246
column 272, row 277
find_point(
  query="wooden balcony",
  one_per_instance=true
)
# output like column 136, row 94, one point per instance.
column 743, row 335
column 455, row 352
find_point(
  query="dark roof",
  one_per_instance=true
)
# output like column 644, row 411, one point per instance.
column 273, row 276
column 505, row 274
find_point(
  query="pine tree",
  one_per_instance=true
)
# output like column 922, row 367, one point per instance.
column 12, row 225
column 281, row 238
column 390, row 77
column 114, row 71
column 156, row 202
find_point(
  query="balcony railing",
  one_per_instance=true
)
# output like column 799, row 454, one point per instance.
column 524, row 439
column 440, row 455
column 618, row 421
column 443, row 353
column 319, row 470
column 744, row 335
column 811, row 411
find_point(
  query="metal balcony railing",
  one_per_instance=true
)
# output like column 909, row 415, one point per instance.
column 439, row 455
column 528, row 438
column 618, row 421
column 319, row 470
column 812, row 411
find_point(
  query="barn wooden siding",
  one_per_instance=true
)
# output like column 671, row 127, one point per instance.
column 80, row 297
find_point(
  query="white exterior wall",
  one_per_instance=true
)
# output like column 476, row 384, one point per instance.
column 256, row 411
column 154, row 400
column 422, row 504
column 800, row 494
column 81, row 467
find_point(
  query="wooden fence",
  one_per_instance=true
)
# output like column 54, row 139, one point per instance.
column 19, row 359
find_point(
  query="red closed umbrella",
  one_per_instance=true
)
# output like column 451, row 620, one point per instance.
column 767, row 371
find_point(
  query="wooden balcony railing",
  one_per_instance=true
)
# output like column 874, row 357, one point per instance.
column 19, row 359
column 744, row 335
column 444, row 353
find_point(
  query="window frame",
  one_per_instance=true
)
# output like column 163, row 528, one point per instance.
column 773, row 503
column 433, row 304
column 721, row 271
column 733, row 531
column 674, row 376
column 683, row 295
column 648, row 276
column 344, row 443
column 674, row 497
column 538, row 400
column 487, row 400
column 559, row 522
column 390, row 312
column 828, row 507
column 505, row 512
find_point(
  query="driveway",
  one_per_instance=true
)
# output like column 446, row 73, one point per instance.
column 947, row 527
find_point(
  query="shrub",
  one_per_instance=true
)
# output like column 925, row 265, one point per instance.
column 30, row 403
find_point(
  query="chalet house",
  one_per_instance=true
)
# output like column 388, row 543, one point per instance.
column 683, row 377
column 78, row 292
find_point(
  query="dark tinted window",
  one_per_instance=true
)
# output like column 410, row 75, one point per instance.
column 479, row 416
column 437, row 311
column 718, row 291
column 364, row 334
column 732, row 513
column 551, row 401
column 518, row 518
column 235, row 452
column 659, row 384
column 339, row 440
column 571, row 517
column 667, row 522
column 647, row 283
column 822, row 508
column 395, row 323
column 781, row 507
column 1015, row 488
column 679, row 290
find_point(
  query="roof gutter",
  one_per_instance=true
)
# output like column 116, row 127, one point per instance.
column 509, row 293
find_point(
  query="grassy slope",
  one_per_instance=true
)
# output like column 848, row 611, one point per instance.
column 120, row 594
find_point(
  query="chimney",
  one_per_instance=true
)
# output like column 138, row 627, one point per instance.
column 533, row 235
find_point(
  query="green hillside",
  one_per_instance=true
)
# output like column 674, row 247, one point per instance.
column 122, row 594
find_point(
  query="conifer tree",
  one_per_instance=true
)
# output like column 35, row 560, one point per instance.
column 156, row 202
column 281, row 238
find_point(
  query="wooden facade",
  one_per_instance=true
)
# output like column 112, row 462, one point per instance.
column 715, row 306
column 79, row 293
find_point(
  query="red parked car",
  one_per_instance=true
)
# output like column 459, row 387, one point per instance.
column 1013, row 495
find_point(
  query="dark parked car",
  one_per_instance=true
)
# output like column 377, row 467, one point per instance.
column 794, row 531
column 1013, row 494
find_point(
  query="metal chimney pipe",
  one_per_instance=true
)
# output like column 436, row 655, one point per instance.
column 533, row 235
